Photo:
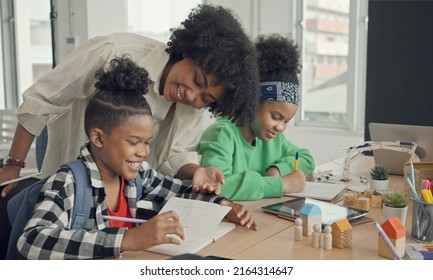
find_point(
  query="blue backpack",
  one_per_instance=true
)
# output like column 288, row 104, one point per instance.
column 20, row 207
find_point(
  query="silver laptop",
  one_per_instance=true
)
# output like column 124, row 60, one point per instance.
column 394, row 160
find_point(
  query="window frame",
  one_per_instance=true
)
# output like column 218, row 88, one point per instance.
column 357, row 57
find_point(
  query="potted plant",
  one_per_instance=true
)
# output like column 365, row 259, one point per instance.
column 395, row 205
column 379, row 178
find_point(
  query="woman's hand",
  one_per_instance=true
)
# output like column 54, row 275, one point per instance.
column 240, row 215
column 207, row 179
column 8, row 173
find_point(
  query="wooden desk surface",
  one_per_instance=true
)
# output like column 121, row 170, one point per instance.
column 274, row 240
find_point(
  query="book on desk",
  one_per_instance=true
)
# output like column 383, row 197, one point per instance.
column 321, row 191
column 193, row 242
column 202, row 224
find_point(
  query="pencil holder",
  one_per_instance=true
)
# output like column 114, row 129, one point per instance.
column 422, row 221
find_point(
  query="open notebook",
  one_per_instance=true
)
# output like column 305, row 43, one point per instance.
column 321, row 191
column 201, row 222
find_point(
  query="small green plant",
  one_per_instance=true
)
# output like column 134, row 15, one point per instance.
column 395, row 199
column 379, row 172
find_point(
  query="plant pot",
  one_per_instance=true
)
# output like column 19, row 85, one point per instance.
column 379, row 185
column 389, row 212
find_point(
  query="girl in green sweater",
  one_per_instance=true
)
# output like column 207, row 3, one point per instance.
column 257, row 159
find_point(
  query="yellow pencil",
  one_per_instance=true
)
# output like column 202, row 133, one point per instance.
column 296, row 162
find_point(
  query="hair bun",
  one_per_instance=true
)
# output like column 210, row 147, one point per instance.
column 277, row 56
column 123, row 76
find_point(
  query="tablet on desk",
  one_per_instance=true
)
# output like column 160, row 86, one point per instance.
column 330, row 212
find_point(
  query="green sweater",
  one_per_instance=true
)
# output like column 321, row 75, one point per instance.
column 222, row 145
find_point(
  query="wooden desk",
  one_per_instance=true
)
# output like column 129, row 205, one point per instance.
column 274, row 240
column 236, row 241
column 282, row 246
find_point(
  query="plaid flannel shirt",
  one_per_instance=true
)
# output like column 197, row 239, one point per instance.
column 48, row 235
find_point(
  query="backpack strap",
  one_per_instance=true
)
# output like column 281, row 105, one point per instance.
column 139, row 186
column 83, row 194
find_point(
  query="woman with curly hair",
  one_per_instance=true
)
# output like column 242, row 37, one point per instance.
column 208, row 63
column 256, row 158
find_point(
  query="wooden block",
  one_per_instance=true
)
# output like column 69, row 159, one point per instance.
column 341, row 234
column 310, row 215
column 349, row 199
column 396, row 233
column 376, row 201
column 384, row 251
column 368, row 192
column 308, row 222
column 363, row 203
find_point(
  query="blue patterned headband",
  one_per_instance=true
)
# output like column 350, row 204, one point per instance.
column 280, row 91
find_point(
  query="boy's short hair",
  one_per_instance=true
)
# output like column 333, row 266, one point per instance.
column 216, row 41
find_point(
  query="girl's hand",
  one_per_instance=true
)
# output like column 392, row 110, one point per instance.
column 294, row 182
column 207, row 179
column 273, row 171
column 161, row 229
column 240, row 215
column 8, row 173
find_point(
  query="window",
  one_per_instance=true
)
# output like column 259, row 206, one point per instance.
column 332, row 36
column 333, row 45
column 25, row 45
column 160, row 16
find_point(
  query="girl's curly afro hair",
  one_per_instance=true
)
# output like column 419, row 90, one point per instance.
column 279, row 59
column 216, row 41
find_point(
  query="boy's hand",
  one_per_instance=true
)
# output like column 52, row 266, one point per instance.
column 239, row 214
column 207, row 179
column 158, row 230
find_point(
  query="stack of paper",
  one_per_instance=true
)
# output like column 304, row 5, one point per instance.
column 321, row 191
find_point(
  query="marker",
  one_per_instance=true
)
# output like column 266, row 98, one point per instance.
column 123, row 219
column 296, row 161
column 387, row 241
column 427, row 196
column 426, row 184
column 19, row 179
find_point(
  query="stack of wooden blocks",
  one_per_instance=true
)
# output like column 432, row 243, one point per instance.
column 363, row 200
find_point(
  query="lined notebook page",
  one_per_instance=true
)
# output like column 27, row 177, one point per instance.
column 201, row 223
